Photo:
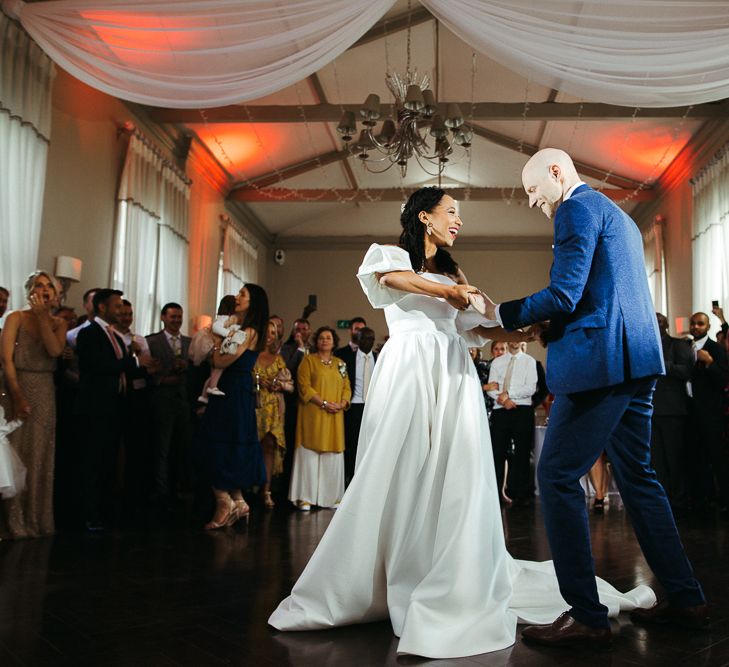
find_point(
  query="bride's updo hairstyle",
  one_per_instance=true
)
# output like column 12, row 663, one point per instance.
column 412, row 238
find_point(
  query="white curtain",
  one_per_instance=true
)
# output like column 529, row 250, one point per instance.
column 26, row 77
column 710, row 243
column 151, row 247
column 239, row 263
column 187, row 53
column 655, row 265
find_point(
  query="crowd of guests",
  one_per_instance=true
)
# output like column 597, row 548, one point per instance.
column 99, row 424
column 109, row 425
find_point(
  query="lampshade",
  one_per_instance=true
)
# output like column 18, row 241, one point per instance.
column 454, row 117
column 430, row 105
column 347, row 126
column 68, row 268
column 438, row 128
column 371, row 108
column 387, row 132
column 414, row 98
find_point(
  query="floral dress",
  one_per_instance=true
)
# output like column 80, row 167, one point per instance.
column 270, row 414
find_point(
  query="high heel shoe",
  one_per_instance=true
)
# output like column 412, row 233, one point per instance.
column 268, row 501
column 598, row 506
column 242, row 509
column 227, row 519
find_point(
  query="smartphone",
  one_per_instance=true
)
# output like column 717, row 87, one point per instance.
column 312, row 301
column 714, row 303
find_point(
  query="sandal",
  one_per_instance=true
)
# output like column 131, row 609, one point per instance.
column 241, row 508
column 230, row 516
column 268, row 501
column 598, row 506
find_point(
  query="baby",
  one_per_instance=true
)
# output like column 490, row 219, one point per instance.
column 12, row 470
column 227, row 326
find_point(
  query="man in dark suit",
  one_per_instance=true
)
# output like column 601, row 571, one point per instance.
column 360, row 366
column 104, row 366
column 709, row 376
column 602, row 364
column 356, row 324
column 171, row 405
column 670, row 408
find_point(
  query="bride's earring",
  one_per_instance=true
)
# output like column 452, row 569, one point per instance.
column 429, row 229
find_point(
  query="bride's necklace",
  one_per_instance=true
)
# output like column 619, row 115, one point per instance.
column 326, row 363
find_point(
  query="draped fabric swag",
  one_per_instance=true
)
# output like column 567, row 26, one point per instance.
column 655, row 265
column 239, row 263
column 710, row 243
column 26, row 77
column 188, row 54
column 151, row 240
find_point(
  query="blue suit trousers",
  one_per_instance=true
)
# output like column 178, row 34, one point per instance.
column 615, row 419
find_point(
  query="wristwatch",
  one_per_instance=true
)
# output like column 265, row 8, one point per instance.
column 324, row 405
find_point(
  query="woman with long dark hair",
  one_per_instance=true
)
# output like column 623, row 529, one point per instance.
column 229, row 435
column 418, row 536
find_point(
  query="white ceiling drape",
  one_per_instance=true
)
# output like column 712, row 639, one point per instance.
column 188, row 54
column 652, row 53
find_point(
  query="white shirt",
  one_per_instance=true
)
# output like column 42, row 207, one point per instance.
column 523, row 378
column 565, row 197
column 358, row 388
column 171, row 343
column 72, row 335
column 128, row 337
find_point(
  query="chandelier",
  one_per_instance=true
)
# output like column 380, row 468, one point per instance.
column 409, row 135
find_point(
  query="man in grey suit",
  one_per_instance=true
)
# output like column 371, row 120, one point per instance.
column 170, row 401
column 670, row 409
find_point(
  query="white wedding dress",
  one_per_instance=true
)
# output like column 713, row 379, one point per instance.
column 418, row 537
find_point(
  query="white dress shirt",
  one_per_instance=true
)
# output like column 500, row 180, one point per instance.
column 358, row 389
column 523, row 383
column 72, row 335
column 171, row 341
column 128, row 337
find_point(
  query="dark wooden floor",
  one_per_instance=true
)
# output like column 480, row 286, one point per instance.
column 171, row 594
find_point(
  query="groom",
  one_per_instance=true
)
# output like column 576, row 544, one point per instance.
column 604, row 356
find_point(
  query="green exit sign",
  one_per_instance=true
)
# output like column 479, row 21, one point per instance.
column 344, row 324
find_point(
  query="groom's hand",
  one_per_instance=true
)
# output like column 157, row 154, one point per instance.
column 489, row 307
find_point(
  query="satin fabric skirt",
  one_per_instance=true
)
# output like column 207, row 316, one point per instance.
column 418, row 537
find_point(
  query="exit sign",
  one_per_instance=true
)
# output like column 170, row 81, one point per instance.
column 344, row 324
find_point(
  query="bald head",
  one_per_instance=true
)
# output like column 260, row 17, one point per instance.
column 547, row 175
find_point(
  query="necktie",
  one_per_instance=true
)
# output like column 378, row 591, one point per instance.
column 176, row 346
column 509, row 373
column 366, row 375
column 119, row 355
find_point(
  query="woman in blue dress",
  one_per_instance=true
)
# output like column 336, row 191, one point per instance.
column 231, row 451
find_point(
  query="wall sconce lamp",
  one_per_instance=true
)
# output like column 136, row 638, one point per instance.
column 68, row 270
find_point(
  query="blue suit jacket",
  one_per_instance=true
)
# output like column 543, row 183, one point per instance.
column 604, row 324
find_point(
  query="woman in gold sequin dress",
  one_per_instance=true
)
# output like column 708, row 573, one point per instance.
column 271, row 379
column 31, row 341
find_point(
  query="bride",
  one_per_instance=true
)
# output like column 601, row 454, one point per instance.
column 418, row 536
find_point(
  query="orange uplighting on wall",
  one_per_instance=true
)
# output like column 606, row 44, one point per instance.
column 646, row 150
column 239, row 144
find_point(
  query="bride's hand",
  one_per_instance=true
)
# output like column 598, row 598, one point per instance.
column 458, row 296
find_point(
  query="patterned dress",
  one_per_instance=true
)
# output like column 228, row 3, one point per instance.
column 30, row 513
column 270, row 415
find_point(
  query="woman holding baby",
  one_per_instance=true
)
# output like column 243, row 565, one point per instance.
column 231, row 450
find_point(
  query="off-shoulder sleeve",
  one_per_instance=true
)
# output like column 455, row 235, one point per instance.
column 382, row 259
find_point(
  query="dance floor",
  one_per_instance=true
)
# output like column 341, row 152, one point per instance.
column 170, row 594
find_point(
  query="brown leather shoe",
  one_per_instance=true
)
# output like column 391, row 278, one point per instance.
column 566, row 631
column 662, row 613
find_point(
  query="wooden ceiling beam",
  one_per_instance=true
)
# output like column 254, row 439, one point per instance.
column 289, row 171
column 583, row 168
column 273, row 195
column 482, row 111
column 387, row 27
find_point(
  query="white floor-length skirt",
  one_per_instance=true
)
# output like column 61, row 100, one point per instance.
column 317, row 478
column 418, row 537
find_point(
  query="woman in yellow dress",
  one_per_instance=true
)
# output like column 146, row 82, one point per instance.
column 324, row 393
column 271, row 378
